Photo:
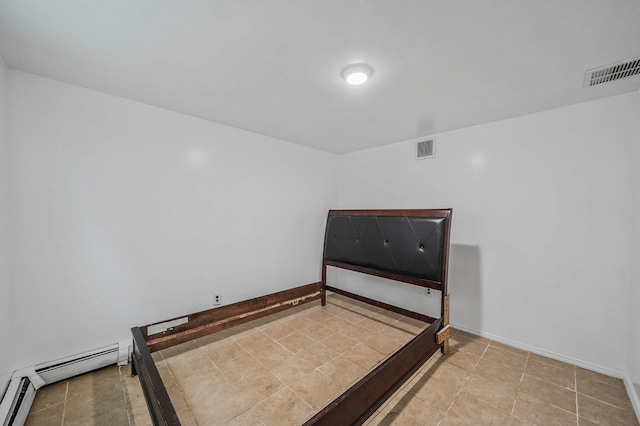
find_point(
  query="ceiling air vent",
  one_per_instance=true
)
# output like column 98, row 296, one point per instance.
column 612, row 72
column 425, row 149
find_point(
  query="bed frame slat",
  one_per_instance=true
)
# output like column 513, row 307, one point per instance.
column 384, row 274
column 383, row 305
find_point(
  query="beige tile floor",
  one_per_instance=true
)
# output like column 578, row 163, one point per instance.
column 281, row 369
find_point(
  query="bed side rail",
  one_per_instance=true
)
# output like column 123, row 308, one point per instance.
column 160, row 407
column 360, row 401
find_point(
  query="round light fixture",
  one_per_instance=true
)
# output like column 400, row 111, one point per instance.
column 357, row 74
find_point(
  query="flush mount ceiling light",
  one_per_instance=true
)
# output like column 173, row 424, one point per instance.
column 357, row 74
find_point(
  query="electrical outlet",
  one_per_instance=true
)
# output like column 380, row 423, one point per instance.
column 217, row 299
column 427, row 291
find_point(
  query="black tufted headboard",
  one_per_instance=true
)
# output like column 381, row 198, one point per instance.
column 405, row 245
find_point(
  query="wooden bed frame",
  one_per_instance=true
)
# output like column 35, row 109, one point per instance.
column 410, row 246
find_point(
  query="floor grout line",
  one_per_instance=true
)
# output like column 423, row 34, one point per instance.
column 64, row 408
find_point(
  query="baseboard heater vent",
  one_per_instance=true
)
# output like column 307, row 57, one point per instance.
column 72, row 366
column 16, row 402
column 24, row 383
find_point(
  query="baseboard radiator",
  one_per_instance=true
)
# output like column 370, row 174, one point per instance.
column 16, row 401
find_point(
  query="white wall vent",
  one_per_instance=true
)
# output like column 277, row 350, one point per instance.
column 425, row 149
column 612, row 72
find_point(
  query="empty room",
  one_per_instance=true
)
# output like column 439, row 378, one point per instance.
column 319, row 213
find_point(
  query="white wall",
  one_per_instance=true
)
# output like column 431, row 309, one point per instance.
column 128, row 214
column 543, row 208
column 633, row 352
column 125, row 214
column 6, row 320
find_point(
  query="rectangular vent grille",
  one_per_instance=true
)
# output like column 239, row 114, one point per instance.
column 425, row 149
column 612, row 72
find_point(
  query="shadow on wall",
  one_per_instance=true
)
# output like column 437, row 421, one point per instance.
column 465, row 287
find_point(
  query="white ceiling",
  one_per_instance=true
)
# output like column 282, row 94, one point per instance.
column 273, row 67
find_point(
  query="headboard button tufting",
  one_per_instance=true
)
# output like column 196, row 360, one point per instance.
column 363, row 239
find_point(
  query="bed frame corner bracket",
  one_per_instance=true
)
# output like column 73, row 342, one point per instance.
column 443, row 335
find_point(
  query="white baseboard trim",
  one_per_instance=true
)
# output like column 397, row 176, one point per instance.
column 632, row 391
column 539, row 351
